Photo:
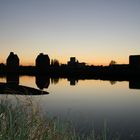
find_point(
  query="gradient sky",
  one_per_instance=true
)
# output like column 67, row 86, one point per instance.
column 95, row 31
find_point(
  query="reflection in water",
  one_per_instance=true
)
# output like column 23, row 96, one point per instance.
column 6, row 88
column 134, row 84
column 54, row 80
column 113, row 82
column 91, row 102
column 73, row 81
column 12, row 79
column 12, row 86
column 42, row 82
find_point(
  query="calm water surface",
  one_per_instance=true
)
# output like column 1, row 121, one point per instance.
column 90, row 103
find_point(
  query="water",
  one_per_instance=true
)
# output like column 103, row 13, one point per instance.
column 90, row 103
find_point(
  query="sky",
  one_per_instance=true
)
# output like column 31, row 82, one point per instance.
column 94, row 31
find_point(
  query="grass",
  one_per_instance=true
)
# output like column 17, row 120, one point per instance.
column 23, row 121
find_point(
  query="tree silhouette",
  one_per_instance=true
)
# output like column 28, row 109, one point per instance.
column 112, row 62
column 54, row 62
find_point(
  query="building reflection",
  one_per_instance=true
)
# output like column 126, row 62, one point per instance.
column 12, row 87
column 12, row 79
column 134, row 84
column 42, row 81
column 54, row 80
column 73, row 81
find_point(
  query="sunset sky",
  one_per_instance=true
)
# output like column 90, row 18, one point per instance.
column 94, row 31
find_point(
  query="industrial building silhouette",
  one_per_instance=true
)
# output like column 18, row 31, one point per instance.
column 42, row 63
column 134, row 60
column 72, row 69
column 12, row 63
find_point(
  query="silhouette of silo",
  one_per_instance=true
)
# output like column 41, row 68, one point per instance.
column 42, row 63
column 12, row 63
column 134, row 60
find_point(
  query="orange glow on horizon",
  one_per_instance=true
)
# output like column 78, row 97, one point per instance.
column 29, row 60
column 63, row 61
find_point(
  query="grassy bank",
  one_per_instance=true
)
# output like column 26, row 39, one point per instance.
column 23, row 121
